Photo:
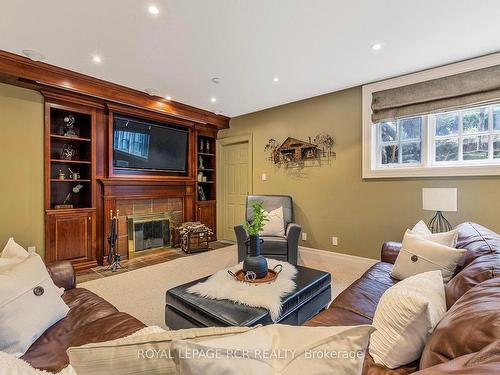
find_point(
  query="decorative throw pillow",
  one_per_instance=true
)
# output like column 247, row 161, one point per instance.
column 29, row 304
column 140, row 354
column 419, row 255
column 277, row 349
column 444, row 238
column 405, row 318
column 421, row 229
column 275, row 224
column 13, row 250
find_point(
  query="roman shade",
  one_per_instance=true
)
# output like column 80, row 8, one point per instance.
column 477, row 86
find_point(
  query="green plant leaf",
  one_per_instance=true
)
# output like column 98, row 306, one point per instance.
column 255, row 226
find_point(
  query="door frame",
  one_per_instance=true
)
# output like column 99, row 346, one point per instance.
column 220, row 144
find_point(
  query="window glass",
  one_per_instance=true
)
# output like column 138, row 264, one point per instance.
column 475, row 120
column 388, row 131
column 390, row 154
column 447, row 150
column 411, row 153
column 496, row 117
column 475, row 148
column 447, row 123
column 410, row 128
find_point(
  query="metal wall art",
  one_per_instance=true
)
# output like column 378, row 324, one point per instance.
column 294, row 153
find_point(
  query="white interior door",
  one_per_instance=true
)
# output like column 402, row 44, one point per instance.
column 235, row 184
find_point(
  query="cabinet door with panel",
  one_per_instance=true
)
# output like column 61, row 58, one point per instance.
column 70, row 235
column 206, row 213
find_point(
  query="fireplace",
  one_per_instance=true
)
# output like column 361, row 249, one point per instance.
column 149, row 231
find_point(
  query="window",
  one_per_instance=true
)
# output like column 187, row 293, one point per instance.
column 464, row 137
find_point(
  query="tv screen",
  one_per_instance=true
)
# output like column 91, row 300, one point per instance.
column 139, row 144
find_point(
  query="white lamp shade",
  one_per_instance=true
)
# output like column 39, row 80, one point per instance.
column 439, row 199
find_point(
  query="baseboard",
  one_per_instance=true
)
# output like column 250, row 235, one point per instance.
column 331, row 254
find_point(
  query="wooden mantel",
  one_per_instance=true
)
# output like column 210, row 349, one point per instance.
column 21, row 71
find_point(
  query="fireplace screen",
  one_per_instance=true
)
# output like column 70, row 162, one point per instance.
column 149, row 232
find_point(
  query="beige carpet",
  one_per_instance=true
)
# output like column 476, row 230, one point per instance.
column 141, row 293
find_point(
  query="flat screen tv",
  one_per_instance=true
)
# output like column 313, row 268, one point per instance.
column 142, row 145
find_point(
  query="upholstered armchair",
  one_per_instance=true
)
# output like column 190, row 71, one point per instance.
column 277, row 247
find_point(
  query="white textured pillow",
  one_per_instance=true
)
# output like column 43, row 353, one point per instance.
column 421, row 229
column 12, row 253
column 24, row 315
column 275, row 224
column 406, row 316
column 277, row 349
column 444, row 238
column 419, row 255
column 148, row 354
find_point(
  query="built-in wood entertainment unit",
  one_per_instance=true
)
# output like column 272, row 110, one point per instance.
column 83, row 187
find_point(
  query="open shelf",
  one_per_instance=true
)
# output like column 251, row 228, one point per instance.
column 69, row 139
column 206, row 182
column 70, row 161
column 205, row 154
column 69, row 134
column 67, row 180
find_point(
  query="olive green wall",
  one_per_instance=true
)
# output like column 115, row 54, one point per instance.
column 21, row 157
column 334, row 200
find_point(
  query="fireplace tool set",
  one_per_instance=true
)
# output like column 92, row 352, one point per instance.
column 113, row 256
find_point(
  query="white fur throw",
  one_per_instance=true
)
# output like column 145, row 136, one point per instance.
column 10, row 365
column 221, row 285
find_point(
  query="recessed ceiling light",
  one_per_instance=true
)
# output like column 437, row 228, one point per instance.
column 97, row 59
column 168, row 97
column 153, row 9
column 151, row 91
column 33, row 55
column 276, row 79
column 216, row 80
column 376, row 46
column 213, row 99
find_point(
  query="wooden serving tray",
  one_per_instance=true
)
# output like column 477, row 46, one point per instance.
column 272, row 274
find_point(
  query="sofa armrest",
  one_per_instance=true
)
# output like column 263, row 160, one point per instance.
column 292, row 236
column 390, row 251
column 241, row 237
column 63, row 274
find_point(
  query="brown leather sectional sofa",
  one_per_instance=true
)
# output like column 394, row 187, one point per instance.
column 90, row 319
column 467, row 340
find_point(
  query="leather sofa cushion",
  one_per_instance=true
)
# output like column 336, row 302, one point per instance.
column 478, row 241
column 481, row 269
column 336, row 316
column 471, row 324
column 363, row 295
column 90, row 319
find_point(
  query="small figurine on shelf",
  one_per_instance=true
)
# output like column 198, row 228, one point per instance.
column 74, row 175
column 61, row 175
column 200, row 162
column 200, row 176
column 201, row 145
column 68, row 152
column 207, row 146
column 69, row 125
column 201, row 194
column 76, row 189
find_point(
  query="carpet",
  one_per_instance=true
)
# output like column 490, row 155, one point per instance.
column 141, row 293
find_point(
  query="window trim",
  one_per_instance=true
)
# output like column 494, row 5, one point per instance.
column 370, row 167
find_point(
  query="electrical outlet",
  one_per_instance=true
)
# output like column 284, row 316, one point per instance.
column 31, row 249
column 304, row 236
column 335, row 241
column 264, row 177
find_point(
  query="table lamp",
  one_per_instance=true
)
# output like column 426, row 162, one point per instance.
column 439, row 200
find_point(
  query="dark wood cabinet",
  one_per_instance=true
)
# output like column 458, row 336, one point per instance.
column 70, row 235
column 206, row 212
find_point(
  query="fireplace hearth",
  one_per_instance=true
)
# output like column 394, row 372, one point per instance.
column 149, row 231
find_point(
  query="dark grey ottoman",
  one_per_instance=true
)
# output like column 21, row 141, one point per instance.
column 185, row 310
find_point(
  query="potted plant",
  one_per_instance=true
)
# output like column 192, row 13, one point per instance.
column 254, row 262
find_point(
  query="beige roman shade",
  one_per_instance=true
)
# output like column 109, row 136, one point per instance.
column 477, row 86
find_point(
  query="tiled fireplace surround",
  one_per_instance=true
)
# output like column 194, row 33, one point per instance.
column 142, row 197
column 130, row 207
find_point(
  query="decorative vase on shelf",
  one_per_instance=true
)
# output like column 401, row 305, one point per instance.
column 255, row 262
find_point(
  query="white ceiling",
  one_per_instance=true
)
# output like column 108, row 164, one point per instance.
column 313, row 46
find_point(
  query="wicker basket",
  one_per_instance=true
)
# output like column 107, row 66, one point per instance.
column 194, row 242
